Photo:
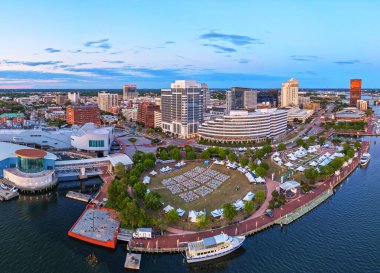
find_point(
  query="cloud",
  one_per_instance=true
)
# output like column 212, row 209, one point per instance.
column 75, row 51
column 238, row 40
column 243, row 61
column 115, row 52
column 52, row 50
column 33, row 63
column 79, row 64
column 221, row 49
column 348, row 62
column 169, row 42
column 114, row 62
column 102, row 43
column 304, row 58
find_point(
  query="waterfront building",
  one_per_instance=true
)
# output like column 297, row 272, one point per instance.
column 289, row 93
column 27, row 168
column 82, row 114
column 157, row 119
column 355, row 91
column 239, row 98
column 92, row 138
column 350, row 114
column 73, row 97
column 299, row 115
column 11, row 119
column 106, row 101
column 244, row 126
column 129, row 92
column 362, row 105
column 182, row 108
column 145, row 113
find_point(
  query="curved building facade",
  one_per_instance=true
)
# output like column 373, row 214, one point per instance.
column 26, row 168
column 244, row 126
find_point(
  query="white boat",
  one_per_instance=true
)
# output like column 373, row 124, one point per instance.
column 365, row 159
column 212, row 247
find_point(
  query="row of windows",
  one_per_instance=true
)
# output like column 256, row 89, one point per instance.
column 96, row 143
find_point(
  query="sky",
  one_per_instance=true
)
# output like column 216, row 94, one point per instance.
column 249, row 43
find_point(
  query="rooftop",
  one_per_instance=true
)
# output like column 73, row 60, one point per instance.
column 31, row 153
column 9, row 150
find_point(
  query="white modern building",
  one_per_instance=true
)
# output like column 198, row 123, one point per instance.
column 244, row 126
column 157, row 119
column 73, row 97
column 106, row 101
column 182, row 108
column 92, row 138
column 300, row 115
column 130, row 113
column 289, row 93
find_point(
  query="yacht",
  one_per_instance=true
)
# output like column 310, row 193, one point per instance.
column 365, row 159
column 212, row 247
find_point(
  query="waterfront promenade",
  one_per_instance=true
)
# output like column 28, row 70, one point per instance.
column 257, row 222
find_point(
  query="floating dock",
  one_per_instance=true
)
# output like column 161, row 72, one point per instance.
column 125, row 235
column 6, row 195
column 79, row 196
column 132, row 261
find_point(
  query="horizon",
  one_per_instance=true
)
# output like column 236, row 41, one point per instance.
column 103, row 45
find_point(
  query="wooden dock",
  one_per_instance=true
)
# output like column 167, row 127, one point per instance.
column 132, row 261
column 79, row 196
column 6, row 195
column 125, row 235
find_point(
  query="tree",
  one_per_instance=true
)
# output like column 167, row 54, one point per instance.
column 67, row 103
column 148, row 163
column 243, row 161
column 261, row 172
column 281, row 147
column 172, row 216
column 259, row 153
column 252, row 165
column 153, row 200
column 322, row 140
column 300, row 142
column 119, row 170
column 205, row 154
column 267, row 149
column 133, row 216
column 191, row 155
column 249, row 206
column 188, row 148
column 275, row 194
column 264, row 165
column 149, row 131
column 164, row 155
column 260, row 196
column 115, row 193
column 202, row 220
column 139, row 189
column 311, row 174
column 229, row 212
column 351, row 153
column 357, row 145
column 175, row 154
column 232, row 157
column 222, row 153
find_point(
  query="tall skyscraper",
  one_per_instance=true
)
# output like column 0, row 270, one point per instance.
column 106, row 101
column 239, row 98
column 129, row 92
column 289, row 93
column 206, row 96
column 355, row 91
column 182, row 108
column 73, row 97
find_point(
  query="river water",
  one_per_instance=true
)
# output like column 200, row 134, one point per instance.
column 341, row 235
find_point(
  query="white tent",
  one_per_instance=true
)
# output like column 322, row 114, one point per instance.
column 193, row 216
column 290, row 155
column 146, row 180
column 300, row 169
column 168, row 208
column 250, row 177
column 276, row 154
column 288, row 164
column 153, row 173
column 180, row 212
column 260, row 180
column 249, row 196
column 217, row 213
column 313, row 163
column 239, row 205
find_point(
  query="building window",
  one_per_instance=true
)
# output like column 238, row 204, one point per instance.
column 96, row 143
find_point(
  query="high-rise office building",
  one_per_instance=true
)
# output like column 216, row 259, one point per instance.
column 289, row 93
column 81, row 114
column 73, row 97
column 268, row 98
column 61, row 99
column 355, row 91
column 106, row 101
column 182, row 108
column 239, row 98
column 206, row 96
column 362, row 105
column 145, row 113
column 129, row 92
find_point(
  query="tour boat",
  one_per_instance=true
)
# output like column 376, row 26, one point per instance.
column 365, row 159
column 212, row 247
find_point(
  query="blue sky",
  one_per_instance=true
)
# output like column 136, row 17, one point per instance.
column 258, row 44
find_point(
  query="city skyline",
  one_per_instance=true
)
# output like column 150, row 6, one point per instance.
column 222, row 43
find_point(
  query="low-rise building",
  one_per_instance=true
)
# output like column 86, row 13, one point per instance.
column 299, row 115
column 244, row 126
column 11, row 119
column 350, row 114
column 130, row 113
column 362, row 105
column 82, row 114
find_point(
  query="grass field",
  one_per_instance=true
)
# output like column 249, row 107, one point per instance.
column 226, row 193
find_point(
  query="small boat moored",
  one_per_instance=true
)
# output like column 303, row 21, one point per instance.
column 212, row 247
column 365, row 159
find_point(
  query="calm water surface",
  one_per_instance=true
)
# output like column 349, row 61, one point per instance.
column 342, row 235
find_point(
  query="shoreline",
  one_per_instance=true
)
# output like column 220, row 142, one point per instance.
column 172, row 243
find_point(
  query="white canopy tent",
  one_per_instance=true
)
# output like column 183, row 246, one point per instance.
column 249, row 196
column 146, row 180
column 168, row 208
column 180, row 212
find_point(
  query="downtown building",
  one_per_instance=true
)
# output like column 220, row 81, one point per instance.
column 289, row 93
column 130, row 92
column 355, row 91
column 145, row 113
column 239, row 98
column 82, row 114
column 182, row 108
column 106, row 101
column 241, row 126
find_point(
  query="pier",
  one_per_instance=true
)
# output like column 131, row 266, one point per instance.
column 79, row 196
column 6, row 195
column 132, row 261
